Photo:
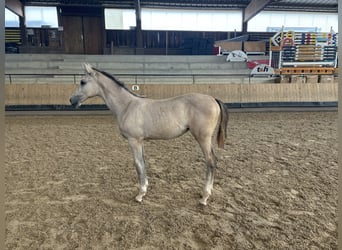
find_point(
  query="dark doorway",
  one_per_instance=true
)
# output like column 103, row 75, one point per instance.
column 82, row 31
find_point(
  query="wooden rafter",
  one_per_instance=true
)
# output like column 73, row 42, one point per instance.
column 253, row 8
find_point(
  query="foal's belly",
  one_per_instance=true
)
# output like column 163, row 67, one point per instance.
column 164, row 131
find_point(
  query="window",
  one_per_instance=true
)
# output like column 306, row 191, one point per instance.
column 171, row 19
column 191, row 20
column 119, row 19
column 11, row 19
column 295, row 21
column 37, row 17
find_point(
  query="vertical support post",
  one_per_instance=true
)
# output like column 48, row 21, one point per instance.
column 166, row 42
column 270, row 54
column 2, row 126
column 138, row 31
column 244, row 27
column 22, row 30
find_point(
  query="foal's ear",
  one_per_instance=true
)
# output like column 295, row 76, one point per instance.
column 88, row 68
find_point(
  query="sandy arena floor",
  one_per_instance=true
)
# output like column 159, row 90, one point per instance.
column 70, row 184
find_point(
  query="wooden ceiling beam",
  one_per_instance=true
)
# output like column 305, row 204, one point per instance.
column 253, row 8
column 15, row 6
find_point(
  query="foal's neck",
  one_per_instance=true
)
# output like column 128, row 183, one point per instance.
column 116, row 97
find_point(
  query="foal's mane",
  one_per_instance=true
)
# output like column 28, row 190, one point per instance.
column 116, row 81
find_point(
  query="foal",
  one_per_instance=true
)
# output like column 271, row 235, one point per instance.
column 143, row 118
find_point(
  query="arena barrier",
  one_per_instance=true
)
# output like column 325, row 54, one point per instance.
column 59, row 94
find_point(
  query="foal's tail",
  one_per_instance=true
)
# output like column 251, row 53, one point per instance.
column 222, row 129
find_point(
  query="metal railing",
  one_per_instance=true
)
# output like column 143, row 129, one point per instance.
column 136, row 76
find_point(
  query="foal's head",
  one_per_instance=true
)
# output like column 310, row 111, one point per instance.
column 88, row 87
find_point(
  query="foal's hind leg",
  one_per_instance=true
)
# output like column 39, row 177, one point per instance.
column 138, row 155
column 211, row 162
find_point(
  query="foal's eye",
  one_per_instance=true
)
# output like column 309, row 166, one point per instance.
column 83, row 82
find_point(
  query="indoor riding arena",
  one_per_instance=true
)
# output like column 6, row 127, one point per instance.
column 70, row 177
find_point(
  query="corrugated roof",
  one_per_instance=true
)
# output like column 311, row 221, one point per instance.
column 279, row 5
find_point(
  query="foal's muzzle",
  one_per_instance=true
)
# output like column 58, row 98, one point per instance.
column 75, row 101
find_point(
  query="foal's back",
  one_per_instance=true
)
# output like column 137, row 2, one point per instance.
column 172, row 117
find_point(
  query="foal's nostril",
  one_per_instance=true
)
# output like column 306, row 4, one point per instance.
column 72, row 101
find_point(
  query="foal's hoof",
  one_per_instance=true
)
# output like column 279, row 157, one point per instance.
column 139, row 198
column 203, row 202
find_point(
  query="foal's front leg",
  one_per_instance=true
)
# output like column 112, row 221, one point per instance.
column 137, row 149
